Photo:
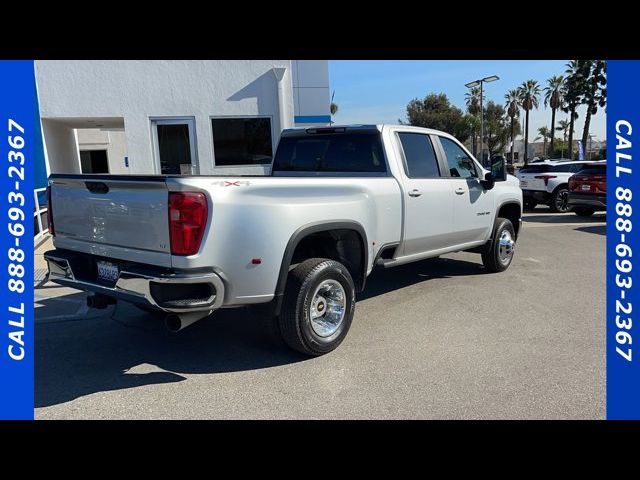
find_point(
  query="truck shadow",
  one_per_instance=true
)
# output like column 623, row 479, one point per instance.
column 386, row 280
column 125, row 348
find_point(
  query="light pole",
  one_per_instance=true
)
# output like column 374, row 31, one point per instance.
column 475, row 83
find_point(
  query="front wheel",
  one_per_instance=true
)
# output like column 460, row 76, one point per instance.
column 560, row 201
column 499, row 253
column 318, row 306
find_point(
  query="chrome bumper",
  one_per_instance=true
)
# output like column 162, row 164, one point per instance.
column 135, row 287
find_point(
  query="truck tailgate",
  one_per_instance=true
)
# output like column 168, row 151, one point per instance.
column 123, row 217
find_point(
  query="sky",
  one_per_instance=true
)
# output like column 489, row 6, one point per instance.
column 377, row 91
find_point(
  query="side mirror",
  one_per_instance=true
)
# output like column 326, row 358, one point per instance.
column 498, row 169
column 488, row 182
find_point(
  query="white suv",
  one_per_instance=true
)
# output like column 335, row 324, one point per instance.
column 547, row 182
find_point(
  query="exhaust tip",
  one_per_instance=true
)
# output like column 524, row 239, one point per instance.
column 173, row 323
column 100, row 301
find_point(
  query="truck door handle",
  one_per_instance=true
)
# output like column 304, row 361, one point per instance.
column 459, row 191
column 415, row 193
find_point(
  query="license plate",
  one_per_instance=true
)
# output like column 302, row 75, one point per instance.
column 586, row 187
column 523, row 183
column 107, row 271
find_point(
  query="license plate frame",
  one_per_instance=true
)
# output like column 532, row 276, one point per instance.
column 107, row 271
column 585, row 187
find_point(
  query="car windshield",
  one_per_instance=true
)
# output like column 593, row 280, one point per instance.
column 335, row 152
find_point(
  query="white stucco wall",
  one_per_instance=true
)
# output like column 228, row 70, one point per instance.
column 140, row 90
column 60, row 147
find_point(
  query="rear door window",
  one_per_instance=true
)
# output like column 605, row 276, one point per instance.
column 335, row 153
column 535, row 169
column 419, row 155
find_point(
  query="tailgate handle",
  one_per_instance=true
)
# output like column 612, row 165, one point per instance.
column 97, row 187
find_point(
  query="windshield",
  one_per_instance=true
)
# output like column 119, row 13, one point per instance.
column 342, row 152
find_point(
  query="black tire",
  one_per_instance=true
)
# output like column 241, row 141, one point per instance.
column 559, row 200
column 530, row 204
column 295, row 318
column 584, row 211
column 491, row 257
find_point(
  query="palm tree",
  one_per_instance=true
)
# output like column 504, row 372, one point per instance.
column 554, row 98
column 472, row 100
column 563, row 126
column 545, row 133
column 513, row 109
column 572, row 90
column 529, row 93
column 595, row 92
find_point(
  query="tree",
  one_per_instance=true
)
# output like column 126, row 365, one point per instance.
column 513, row 109
column 563, row 126
column 333, row 108
column 435, row 111
column 545, row 134
column 471, row 124
column 472, row 101
column 595, row 92
column 573, row 88
column 553, row 97
column 529, row 93
column 496, row 128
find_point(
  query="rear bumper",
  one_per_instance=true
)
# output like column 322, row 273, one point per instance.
column 588, row 200
column 136, row 284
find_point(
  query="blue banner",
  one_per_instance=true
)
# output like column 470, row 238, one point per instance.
column 18, row 115
column 580, row 150
column 623, row 245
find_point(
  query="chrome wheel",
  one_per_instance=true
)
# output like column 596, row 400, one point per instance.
column 328, row 306
column 562, row 201
column 506, row 246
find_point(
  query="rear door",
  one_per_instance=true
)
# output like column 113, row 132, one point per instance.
column 473, row 205
column 123, row 217
column 428, row 197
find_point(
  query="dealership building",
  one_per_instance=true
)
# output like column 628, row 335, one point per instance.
column 173, row 117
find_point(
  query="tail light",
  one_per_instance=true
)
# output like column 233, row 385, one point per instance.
column 187, row 220
column 546, row 178
column 50, row 212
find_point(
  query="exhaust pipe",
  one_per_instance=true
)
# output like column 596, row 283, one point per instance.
column 177, row 321
column 100, row 301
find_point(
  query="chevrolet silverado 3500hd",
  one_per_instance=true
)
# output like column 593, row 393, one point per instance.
column 340, row 201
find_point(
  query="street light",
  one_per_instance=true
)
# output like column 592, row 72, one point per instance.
column 475, row 83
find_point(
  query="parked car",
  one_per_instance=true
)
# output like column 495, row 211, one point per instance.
column 588, row 189
column 339, row 202
column 548, row 182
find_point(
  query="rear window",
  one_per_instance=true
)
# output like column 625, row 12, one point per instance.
column 569, row 168
column 535, row 169
column 593, row 170
column 331, row 153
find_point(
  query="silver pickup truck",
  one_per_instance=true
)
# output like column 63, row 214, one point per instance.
column 340, row 202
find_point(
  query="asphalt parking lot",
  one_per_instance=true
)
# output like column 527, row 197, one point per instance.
column 436, row 339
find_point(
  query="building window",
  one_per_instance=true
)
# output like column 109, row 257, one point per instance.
column 175, row 145
column 94, row 161
column 242, row 141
